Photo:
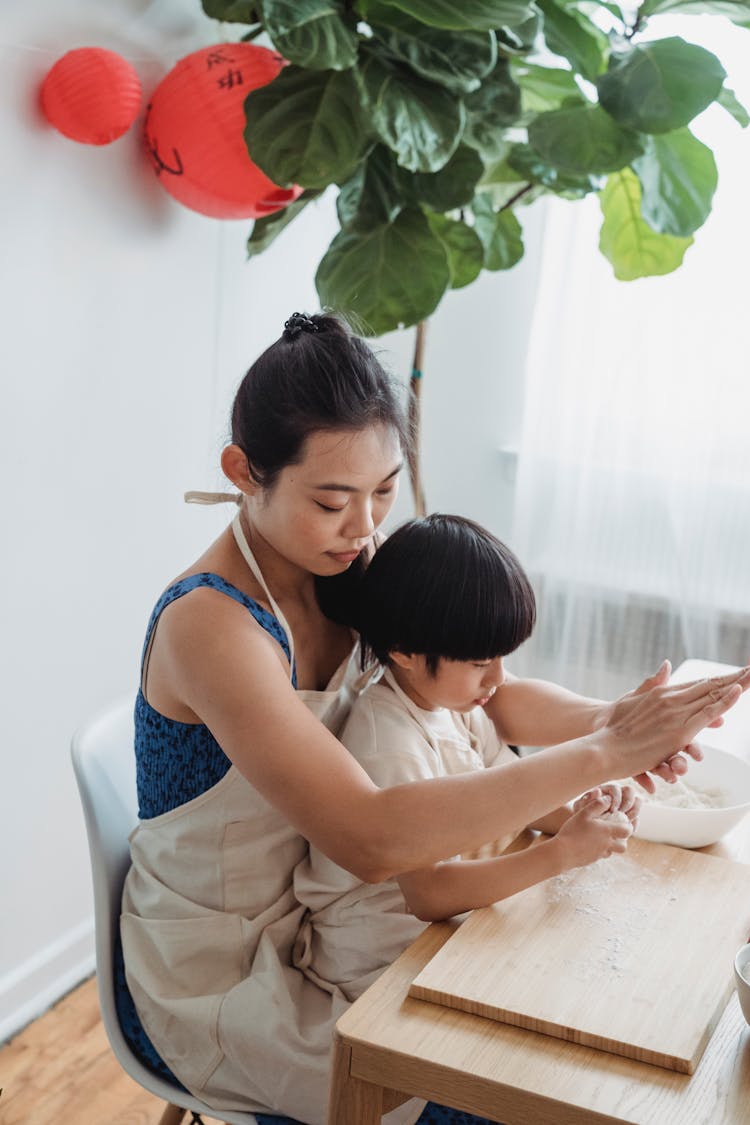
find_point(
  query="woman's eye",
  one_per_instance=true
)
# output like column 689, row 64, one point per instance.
column 385, row 491
column 327, row 508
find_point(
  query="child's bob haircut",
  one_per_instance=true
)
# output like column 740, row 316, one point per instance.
column 444, row 587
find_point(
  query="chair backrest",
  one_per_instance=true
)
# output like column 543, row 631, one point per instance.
column 104, row 766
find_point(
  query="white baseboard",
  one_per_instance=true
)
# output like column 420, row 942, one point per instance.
column 35, row 984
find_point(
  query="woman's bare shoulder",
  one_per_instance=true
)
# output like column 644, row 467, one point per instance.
column 202, row 635
column 207, row 621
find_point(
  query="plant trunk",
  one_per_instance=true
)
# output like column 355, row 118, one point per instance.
column 415, row 418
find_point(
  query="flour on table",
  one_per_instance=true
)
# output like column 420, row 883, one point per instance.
column 602, row 893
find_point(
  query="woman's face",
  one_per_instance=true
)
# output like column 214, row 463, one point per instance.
column 321, row 512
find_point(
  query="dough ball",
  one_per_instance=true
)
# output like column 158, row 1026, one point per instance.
column 618, row 818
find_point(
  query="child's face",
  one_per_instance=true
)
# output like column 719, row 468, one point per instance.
column 458, row 685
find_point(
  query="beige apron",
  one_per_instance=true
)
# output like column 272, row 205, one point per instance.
column 209, row 921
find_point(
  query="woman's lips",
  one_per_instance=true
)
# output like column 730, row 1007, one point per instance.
column 344, row 556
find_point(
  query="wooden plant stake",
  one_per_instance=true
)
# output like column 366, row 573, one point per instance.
column 415, row 417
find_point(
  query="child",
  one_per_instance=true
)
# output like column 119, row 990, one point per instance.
column 439, row 633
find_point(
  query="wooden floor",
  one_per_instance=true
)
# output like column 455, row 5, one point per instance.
column 60, row 1070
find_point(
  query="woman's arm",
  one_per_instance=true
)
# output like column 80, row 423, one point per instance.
column 228, row 673
column 451, row 888
column 553, row 821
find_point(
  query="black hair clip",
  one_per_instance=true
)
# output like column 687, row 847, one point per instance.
column 298, row 322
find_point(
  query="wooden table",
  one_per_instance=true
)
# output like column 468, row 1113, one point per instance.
column 388, row 1046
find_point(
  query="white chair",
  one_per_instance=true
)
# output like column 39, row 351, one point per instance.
column 104, row 765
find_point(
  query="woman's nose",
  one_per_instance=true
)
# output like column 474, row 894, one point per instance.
column 361, row 524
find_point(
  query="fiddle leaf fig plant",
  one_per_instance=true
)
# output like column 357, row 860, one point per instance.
column 438, row 120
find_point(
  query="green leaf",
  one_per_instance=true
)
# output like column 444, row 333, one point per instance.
column 544, row 87
column 678, row 179
column 458, row 15
column 421, row 122
column 456, row 60
column 529, row 166
column 728, row 99
column 630, row 244
column 391, row 276
column 463, row 247
column 267, row 229
column 614, row 9
column 451, row 187
column 500, row 234
column 519, row 38
column 736, row 10
column 232, row 11
column 505, row 187
column 583, row 140
column 515, row 195
column 569, row 33
column 372, row 196
column 307, row 127
column 495, row 105
column 311, row 33
column 660, row 86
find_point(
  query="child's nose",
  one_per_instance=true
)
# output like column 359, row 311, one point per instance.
column 495, row 673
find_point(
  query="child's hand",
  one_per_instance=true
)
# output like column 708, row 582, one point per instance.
column 588, row 835
column 622, row 798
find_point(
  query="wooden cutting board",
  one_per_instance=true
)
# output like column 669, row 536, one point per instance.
column 633, row 955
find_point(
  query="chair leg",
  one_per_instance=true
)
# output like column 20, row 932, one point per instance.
column 172, row 1115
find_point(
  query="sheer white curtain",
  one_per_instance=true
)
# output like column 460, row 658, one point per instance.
column 633, row 494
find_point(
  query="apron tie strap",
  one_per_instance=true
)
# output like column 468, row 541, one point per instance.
column 195, row 497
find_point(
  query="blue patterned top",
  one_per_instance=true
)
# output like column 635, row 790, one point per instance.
column 178, row 761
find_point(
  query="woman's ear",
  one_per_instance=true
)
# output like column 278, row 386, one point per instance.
column 236, row 467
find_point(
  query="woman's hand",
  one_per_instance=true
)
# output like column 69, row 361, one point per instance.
column 588, row 834
column 651, row 729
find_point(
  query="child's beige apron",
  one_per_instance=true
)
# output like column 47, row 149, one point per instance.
column 209, row 921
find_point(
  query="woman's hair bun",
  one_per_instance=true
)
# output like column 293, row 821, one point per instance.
column 299, row 322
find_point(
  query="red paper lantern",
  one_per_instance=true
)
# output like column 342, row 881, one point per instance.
column 194, row 132
column 91, row 95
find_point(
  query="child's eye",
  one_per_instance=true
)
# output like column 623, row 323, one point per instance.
column 327, row 508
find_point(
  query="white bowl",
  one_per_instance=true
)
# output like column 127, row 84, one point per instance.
column 743, row 987
column 696, row 828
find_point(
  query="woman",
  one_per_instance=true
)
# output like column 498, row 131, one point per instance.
column 248, row 674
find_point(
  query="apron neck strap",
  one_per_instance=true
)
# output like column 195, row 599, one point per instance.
column 415, row 711
column 247, row 554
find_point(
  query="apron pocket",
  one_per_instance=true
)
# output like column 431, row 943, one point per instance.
column 178, row 971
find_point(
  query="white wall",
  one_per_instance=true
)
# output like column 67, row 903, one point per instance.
column 127, row 323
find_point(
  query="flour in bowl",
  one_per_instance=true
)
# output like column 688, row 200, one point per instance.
column 685, row 795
